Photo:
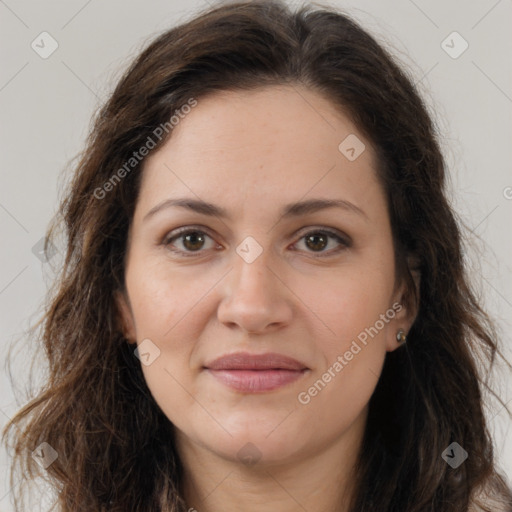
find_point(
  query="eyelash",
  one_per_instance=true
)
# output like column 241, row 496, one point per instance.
column 345, row 242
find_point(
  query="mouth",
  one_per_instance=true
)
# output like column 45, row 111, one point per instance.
column 256, row 373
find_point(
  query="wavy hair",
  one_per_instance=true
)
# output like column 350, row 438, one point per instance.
column 115, row 446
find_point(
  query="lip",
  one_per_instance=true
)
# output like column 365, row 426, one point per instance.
column 247, row 361
column 253, row 373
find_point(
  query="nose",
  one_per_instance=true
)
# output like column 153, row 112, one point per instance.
column 255, row 298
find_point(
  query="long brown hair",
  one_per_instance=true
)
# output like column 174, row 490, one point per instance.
column 115, row 447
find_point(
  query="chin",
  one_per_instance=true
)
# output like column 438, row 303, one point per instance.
column 256, row 441
column 257, row 452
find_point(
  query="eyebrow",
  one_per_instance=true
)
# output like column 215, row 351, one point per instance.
column 290, row 210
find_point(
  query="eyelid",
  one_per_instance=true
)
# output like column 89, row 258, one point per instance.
column 335, row 233
column 339, row 236
column 185, row 229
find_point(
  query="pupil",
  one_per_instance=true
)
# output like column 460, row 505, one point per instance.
column 315, row 238
column 192, row 238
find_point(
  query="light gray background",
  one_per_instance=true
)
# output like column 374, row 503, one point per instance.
column 46, row 107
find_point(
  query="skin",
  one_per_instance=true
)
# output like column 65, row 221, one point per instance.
column 252, row 152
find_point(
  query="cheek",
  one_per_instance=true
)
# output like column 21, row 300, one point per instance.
column 354, row 307
column 347, row 302
column 168, row 309
column 163, row 300
column 352, row 358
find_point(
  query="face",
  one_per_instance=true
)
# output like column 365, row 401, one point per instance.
column 253, row 275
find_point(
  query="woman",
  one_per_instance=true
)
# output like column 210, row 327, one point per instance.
column 263, row 303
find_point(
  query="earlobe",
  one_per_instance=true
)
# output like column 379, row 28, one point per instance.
column 124, row 317
column 408, row 299
column 400, row 326
column 401, row 337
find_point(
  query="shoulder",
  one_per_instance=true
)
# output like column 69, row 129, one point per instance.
column 489, row 505
column 494, row 496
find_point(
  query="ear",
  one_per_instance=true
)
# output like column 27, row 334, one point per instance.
column 125, row 316
column 405, row 304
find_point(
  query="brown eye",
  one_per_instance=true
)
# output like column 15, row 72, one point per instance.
column 316, row 241
column 193, row 240
column 188, row 241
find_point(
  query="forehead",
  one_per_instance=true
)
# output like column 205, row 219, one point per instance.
column 272, row 145
column 287, row 120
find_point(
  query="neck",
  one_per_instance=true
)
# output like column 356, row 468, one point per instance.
column 321, row 480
